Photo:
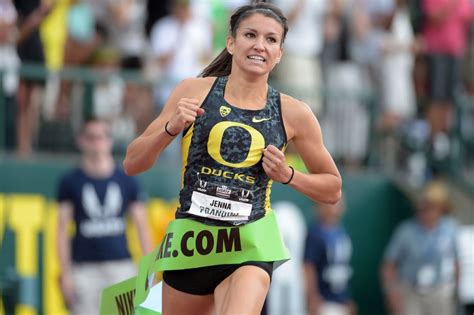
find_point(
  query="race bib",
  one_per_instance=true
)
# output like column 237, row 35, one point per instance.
column 221, row 202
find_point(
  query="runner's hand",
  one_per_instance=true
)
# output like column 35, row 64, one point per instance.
column 274, row 164
column 186, row 112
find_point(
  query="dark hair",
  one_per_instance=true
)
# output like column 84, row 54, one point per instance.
column 93, row 120
column 222, row 64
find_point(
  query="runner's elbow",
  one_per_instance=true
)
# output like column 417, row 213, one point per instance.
column 334, row 197
column 128, row 167
column 335, row 194
column 131, row 168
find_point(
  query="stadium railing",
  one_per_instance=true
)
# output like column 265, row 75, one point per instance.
column 459, row 164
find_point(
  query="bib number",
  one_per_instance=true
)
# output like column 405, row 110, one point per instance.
column 220, row 202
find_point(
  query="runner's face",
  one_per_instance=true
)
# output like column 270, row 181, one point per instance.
column 257, row 44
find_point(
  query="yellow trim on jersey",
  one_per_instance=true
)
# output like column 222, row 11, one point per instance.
column 267, row 206
column 185, row 144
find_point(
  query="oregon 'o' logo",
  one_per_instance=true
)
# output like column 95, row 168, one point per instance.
column 256, row 145
column 224, row 110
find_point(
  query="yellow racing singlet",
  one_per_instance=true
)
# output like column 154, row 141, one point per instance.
column 223, row 181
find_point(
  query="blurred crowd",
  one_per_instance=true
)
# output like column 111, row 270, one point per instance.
column 394, row 68
column 389, row 74
column 161, row 42
column 423, row 268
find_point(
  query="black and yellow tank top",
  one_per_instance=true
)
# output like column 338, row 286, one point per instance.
column 223, row 181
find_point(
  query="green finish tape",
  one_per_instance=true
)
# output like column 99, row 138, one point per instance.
column 143, row 281
column 191, row 244
column 118, row 299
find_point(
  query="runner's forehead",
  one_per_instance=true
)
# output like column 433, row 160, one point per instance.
column 263, row 24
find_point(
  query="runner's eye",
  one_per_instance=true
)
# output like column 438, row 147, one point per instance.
column 272, row 40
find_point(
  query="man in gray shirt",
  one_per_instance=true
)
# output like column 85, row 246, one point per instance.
column 421, row 261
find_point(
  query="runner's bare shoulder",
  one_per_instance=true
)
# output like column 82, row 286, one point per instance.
column 295, row 113
column 196, row 88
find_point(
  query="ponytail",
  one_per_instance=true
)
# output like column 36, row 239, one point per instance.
column 219, row 67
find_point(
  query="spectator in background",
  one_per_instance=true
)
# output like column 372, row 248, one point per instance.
column 31, row 14
column 419, row 271
column 327, row 256
column 180, row 46
column 286, row 295
column 371, row 20
column 299, row 73
column 217, row 12
column 124, row 22
column 155, row 11
column 398, row 105
column 83, row 37
column 137, row 102
column 445, row 34
column 396, row 67
column 9, row 64
column 96, row 196
column 109, row 93
column 346, row 117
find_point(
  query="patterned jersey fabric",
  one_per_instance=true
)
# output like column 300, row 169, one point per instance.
column 223, row 178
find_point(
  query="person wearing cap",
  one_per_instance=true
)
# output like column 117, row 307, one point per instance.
column 420, row 265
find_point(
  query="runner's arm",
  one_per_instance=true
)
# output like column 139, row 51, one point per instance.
column 323, row 182
column 143, row 152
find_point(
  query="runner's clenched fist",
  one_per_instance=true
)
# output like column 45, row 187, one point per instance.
column 274, row 164
column 186, row 112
